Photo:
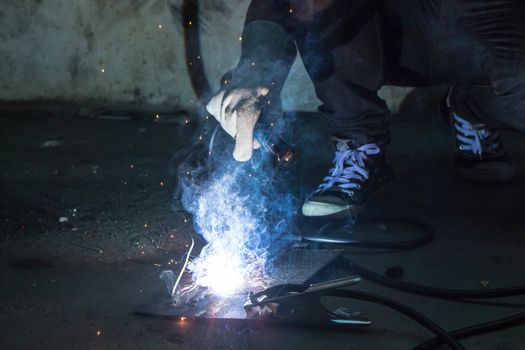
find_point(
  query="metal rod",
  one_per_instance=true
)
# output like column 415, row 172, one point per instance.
column 183, row 267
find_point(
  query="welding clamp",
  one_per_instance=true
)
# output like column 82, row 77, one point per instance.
column 302, row 303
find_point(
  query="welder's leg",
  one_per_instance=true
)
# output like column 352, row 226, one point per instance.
column 478, row 46
column 499, row 26
column 479, row 104
column 347, row 77
column 346, row 80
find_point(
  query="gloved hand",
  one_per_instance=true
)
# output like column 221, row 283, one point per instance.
column 237, row 112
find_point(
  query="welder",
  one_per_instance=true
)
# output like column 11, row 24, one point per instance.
column 351, row 48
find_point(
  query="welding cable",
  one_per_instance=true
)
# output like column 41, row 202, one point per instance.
column 415, row 315
column 434, row 292
column 488, row 327
column 189, row 13
column 425, row 238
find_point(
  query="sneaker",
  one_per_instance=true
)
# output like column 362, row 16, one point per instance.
column 356, row 175
column 480, row 156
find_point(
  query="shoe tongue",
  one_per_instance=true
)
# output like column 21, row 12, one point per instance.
column 341, row 144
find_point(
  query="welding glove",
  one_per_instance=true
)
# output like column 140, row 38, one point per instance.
column 238, row 111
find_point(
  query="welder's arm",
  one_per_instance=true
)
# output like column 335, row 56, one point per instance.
column 268, row 52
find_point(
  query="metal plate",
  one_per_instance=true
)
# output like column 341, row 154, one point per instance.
column 293, row 266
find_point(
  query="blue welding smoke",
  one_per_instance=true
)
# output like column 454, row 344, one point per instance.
column 243, row 211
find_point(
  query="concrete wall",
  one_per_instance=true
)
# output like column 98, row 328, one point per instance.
column 131, row 51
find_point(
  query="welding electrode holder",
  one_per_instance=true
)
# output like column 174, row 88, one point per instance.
column 270, row 139
column 273, row 143
column 300, row 303
column 265, row 132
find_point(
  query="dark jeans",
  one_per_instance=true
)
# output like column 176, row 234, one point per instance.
column 353, row 48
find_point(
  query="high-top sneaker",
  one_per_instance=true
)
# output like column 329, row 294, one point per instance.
column 480, row 156
column 357, row 173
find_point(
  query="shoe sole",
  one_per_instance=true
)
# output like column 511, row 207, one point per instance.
column 348, row 211
column 321, row 209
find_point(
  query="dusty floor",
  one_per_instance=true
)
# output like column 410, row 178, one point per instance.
column 62, row 282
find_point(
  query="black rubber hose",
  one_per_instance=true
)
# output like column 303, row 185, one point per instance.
column 435, row 292
column 404, row 309
column 192, row 44
column 471, row 331
column 425, row 238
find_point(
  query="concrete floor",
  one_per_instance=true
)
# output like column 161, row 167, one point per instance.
column 64, row 282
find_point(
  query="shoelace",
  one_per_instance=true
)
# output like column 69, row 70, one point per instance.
column 349, row 168
column 477, row 141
